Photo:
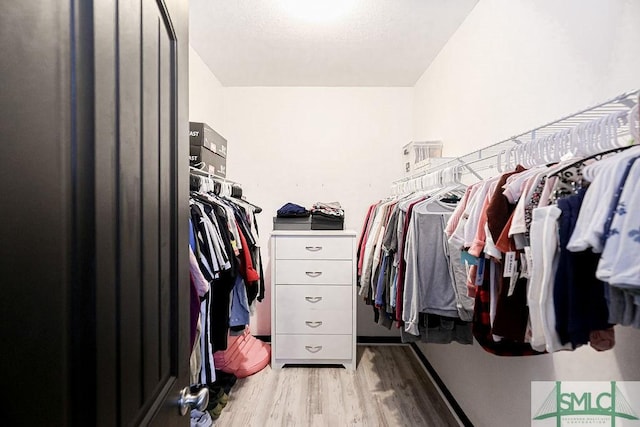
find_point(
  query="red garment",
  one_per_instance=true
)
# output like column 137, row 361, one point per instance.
column 402, row 265
column 482, row 324
column 361, row 239
column 505, row 243
column 499, row 209
column 512, row 312
column 364, row 235
column 248, row 273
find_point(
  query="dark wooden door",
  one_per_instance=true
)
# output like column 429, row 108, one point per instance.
column 94, row 211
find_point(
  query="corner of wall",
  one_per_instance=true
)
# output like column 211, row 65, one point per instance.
column 206, row 101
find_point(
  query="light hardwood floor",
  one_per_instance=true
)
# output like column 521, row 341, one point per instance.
column 389, row 388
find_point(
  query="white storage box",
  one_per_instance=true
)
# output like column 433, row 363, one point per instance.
column 417, row 155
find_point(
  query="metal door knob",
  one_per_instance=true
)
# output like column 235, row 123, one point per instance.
column 188, row 401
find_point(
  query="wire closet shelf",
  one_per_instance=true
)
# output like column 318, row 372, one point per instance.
column 580, row 133
column 195, row 171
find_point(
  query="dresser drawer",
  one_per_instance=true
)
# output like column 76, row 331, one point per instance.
column 305, row 247
column 310, row 272
column 314, row 298
column 313, row 322
column 314, row 346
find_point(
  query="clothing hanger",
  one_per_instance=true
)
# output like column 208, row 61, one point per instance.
column 582, row 160
column 633, row 119
column 450, row 184
column 499, row 161
column 538, row 150
column 256, row 209
column 549, row 148
column 507, row 159
column 601, row 142
column 560, row 145
column 610, row 127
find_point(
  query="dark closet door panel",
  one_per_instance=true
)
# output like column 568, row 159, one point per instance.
column 106, row 194
column 35, row 210
column 140, row 192
column 168, row 163
column 150, row 204
column 129, row 208
column 94, row 203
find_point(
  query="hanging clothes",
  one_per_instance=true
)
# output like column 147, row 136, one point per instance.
column 225, row 267
column 535, row 261
column 396, row 237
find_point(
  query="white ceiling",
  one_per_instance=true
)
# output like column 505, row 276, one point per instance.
column 375, row 43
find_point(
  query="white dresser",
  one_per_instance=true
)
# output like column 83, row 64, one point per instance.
column 313, row 299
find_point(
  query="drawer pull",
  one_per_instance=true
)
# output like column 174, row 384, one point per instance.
column 313, row 349
column 312, row 324
column 313, row 248
column 313, row 273
column 313, row 300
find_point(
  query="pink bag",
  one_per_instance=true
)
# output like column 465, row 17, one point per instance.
column 245, row 355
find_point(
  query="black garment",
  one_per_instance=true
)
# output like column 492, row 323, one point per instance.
column 220, row 303
column 220, row 215
column 262, row 288
column 220, row 294
column 202, row 247
column 222, row 283
column 579, row 297
column 438, row 329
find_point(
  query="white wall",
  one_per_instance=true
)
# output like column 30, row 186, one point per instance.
column 517, row 64
column 514, row 65
column 205, row 94
column 305, row 145
column 495, row 391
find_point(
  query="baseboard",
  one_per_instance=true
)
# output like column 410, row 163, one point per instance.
column 378, row 340
column 441, row 385
column 359, row 340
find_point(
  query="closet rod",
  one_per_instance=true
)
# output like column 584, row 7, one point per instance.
column 197, row 171
column 620, row 102
column 485, row 158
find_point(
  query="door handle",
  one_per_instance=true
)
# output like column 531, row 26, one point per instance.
column 313, row 300
column 313, row 324
column 313, row 349
column 188, row 401
column 313, row 273
column 313, row 248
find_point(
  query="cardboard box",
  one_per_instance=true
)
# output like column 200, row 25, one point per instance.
column 214, row 164
column 202, row 134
